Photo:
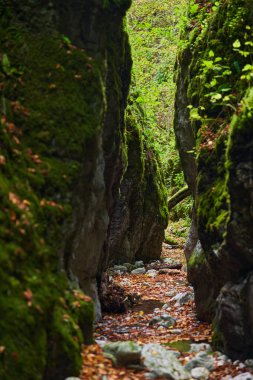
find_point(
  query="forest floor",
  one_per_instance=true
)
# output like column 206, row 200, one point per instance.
column 156, row 298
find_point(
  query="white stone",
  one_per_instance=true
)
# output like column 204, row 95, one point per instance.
column 201, row 360
column 197, row 347
column 183, row 298
column 244, row 376
column 200, row 373
column 139, row 271
column 151, row 273
column 162, row 362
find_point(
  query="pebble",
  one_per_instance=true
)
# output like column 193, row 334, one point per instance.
column 197, row 347
column 244, row 376
column 139, row 264
column 138, row 271
column 183, row 298
column 169, row 321
column 200, row 373
column 155, row 320
column 169, row 294
column 249, row 363
column 151, row 273
column 167, row 324
column 120, row 268
column 168, row 260
column 100, row 342
column 201, row 360
column 176, row 331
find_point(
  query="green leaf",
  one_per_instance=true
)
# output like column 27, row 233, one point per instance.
column 66, row 40
column 194, row 114
column 247, row 67
column 6, row 65
column 211, row 53
column 237, row 44
column 216, row 97
column 213, row 82
column 208, row 64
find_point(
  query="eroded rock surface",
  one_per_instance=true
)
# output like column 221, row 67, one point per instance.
column 223, row 177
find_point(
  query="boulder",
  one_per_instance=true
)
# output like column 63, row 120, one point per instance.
column 202, row 359
column 234, row 307
column 162, row 362
column 197, row 347
column 123, row 353
column 183, row 298
column 200, row 373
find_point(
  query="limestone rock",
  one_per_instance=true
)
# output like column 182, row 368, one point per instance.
column 224, row 187
column 197, row 347
column 183, row 298
column 200, row 373
column 249, row 363
column 139, row 271
column 139, row 264
column 201, row 360
column 234, row 306
column 244, row 376
column 151, row 273
column 161, row 362
column 124, row 353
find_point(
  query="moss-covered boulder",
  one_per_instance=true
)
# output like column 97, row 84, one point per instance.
column 218, row 88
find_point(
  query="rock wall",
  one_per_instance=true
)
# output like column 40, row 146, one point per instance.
column 137, row 224
column 216, row 82
column 64, row 78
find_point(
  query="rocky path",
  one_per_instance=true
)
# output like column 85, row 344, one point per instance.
column 163, row 325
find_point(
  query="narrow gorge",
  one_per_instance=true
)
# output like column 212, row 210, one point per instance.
column 95, row 94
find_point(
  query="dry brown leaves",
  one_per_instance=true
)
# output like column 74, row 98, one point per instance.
column 134, row 324
column 96, row 366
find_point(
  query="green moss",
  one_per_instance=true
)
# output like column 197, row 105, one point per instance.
column 169, row 239
column 197, row 258
column 215, row 86
column 217, row 339
column 47, row 118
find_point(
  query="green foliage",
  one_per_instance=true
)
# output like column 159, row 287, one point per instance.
column 154, row 28
column 220, row 72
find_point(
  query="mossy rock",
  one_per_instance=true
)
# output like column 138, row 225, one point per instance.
column 49, row 88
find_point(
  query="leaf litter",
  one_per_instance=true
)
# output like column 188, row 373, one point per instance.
column 154, row 295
